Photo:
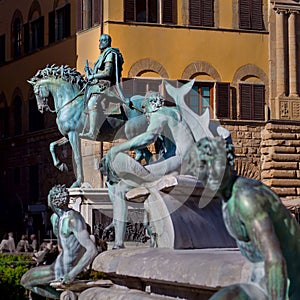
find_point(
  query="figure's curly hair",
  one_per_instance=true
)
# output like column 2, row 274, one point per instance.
column 59, row 196
column 153, row 95
column 213, row 146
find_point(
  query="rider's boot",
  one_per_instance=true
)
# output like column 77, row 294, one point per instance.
column 92, row 134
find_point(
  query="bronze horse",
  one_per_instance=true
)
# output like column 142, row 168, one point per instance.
column 67, row 87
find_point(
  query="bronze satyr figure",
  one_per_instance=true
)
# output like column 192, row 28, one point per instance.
column 77, row 250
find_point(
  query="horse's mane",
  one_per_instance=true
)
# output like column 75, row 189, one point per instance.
column 64, row 72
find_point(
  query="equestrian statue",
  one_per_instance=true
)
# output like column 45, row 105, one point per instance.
column 93, row 108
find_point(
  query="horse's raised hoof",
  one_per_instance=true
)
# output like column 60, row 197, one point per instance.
column 116, row 247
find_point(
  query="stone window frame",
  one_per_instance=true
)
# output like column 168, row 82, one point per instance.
column 249, row 70
column 59, row 30
column 17, row 43
column 32, row 42
column 168, row 6
column 235, row 16
column 88, row 14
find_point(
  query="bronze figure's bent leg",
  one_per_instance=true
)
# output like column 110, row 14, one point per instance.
column 37, row 280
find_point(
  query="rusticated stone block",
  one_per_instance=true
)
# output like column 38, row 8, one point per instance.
column 282, row 182
column 279, row 174
column 269, row 143
column 282, row 157
column 285, row 191
column 278, row 136
column 243, row 128
column 284, row 149
column 280, row 165
column 282, row 127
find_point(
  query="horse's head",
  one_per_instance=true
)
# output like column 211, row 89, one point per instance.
column 56, row 80
column 41, row 93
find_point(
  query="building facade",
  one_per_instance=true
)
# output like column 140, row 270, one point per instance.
column 243, row 55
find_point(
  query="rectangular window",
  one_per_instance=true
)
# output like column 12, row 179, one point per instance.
column 37, row 33
column 251, row 14
column 59, row 23
column 2, row 48
column 201, row 13
column 223, row 100
column 151, row 11
column 252, row 102
column 34, row 35
column 89, row 13
column 201, row 97
column 17, row 38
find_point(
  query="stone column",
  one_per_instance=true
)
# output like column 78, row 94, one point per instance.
column 280, row 65
column 292, row 55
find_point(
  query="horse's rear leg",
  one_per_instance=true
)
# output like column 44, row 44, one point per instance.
column 57, row 163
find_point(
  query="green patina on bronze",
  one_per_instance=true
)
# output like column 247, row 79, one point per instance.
column 77, row 250
column 265, row 231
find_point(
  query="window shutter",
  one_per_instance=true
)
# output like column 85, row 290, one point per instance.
column 245, row 101
column 169, row 14
column 79, row 15
column 208, row 13
column 51, row 26
column 127, row 86
column 67, row 15
column 257, row 15
column 41, row 32
column 129, row 10
column 2, row 49
column 97, row 12
column 223, row 100
column 26, row 38
column 244, row 14
column 258, row 95
column 195, row 12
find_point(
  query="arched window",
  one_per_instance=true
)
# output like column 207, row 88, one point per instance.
column 60, row 23
column 17, row 25
column 4, row 117
column 34, row 29
column 18, row 115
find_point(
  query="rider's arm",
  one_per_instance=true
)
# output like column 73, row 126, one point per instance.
column 155, row 128
column 107, row 73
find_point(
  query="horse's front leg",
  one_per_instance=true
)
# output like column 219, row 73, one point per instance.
column 76, row 149
column 57, row 163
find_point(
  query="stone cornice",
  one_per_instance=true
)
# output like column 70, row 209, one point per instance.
column 288, row 6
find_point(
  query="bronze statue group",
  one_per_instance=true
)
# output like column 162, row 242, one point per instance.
column 265, row 232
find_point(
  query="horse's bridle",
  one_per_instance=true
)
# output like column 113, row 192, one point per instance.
column 42, row 99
